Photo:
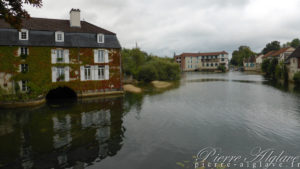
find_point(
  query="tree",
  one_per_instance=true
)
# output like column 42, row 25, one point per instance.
column 12, row 11
column 239, row 55
column 265, row 65
column 275, row 45
column 295, row 43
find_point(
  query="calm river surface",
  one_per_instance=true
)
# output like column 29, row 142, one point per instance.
column 233, row 112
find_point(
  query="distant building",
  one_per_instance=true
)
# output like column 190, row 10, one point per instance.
column 250, row 63
column 202, row 61
column 258, row 61
column 293, row 63
column 281, row 54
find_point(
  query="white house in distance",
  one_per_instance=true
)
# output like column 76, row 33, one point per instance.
column 202, row 61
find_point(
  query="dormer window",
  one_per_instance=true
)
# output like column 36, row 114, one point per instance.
column 59, row 37
column 23, row 34
column 100, row 38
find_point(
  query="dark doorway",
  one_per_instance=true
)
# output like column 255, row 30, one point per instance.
column 61, row 93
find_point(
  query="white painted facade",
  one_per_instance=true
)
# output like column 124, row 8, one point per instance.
column 193, row 63
column 293, row 67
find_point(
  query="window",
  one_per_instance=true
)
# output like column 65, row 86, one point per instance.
column 24, row 51
column 59, row 37
column 24, row 68
column 59, row 56
column 24, row 86
column 216, row 64
column 207, row 65
column 100, row 38
column 203, row 64
column 212, row 65
column 60, row 74
column 23, row 34
column 100, row 72
column 101, row 56
column 87, row 73
column 222, row 59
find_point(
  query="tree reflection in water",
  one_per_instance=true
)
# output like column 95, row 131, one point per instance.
column 67, row 133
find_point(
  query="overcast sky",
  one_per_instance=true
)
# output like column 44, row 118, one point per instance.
column 163, row 27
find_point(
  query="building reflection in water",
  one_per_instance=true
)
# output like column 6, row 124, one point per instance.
column 72, row 137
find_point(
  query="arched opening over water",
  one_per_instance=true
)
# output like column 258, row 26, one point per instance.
column 61, row 93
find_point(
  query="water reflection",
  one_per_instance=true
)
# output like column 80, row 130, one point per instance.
column 59, row 137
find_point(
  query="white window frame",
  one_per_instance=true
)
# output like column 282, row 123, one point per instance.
column 100, row 38
column 60, row 55
column 87, row 73
column 100, row 73
column 60, row 71
column 24, row 51
column 101, row 59
column 62, row 36
column 23, row 31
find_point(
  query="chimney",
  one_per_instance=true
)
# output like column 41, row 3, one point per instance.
column 75, row 18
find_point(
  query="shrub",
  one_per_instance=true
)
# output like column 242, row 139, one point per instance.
column 264, row 66
column 297, row 78
column 147, row 73
column 222, row 68
column 278, row 72
column 144, row 67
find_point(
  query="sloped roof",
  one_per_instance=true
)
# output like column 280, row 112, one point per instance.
column 45, row 24
column 42, row 33
column 203, row 54
column 276, row 53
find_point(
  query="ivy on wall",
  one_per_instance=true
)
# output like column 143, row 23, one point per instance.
column 39, row 75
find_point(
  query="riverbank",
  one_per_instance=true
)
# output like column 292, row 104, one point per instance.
column 133, row 88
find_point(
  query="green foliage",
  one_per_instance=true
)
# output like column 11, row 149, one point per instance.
column 265, row 65
column 239, row 55
column 275, row 45
column 147, row 68
column 13, row 11
column 8, row 59
column 278, row 72
column 295, row 43
column 147, row 73
column 222, row 68
column 273, row 69
column 17, row 88
column 297, row 77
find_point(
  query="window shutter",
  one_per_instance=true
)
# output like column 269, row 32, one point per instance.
column 66, row 56
column 54, row 74
column 96, row 56
column 67, row 74
column 106, row 74
column 53, row 56
column 106, row 56
column 93, row 72
column 19, row 52
column 82, row 73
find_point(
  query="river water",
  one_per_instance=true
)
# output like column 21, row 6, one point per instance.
column 234, row 114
